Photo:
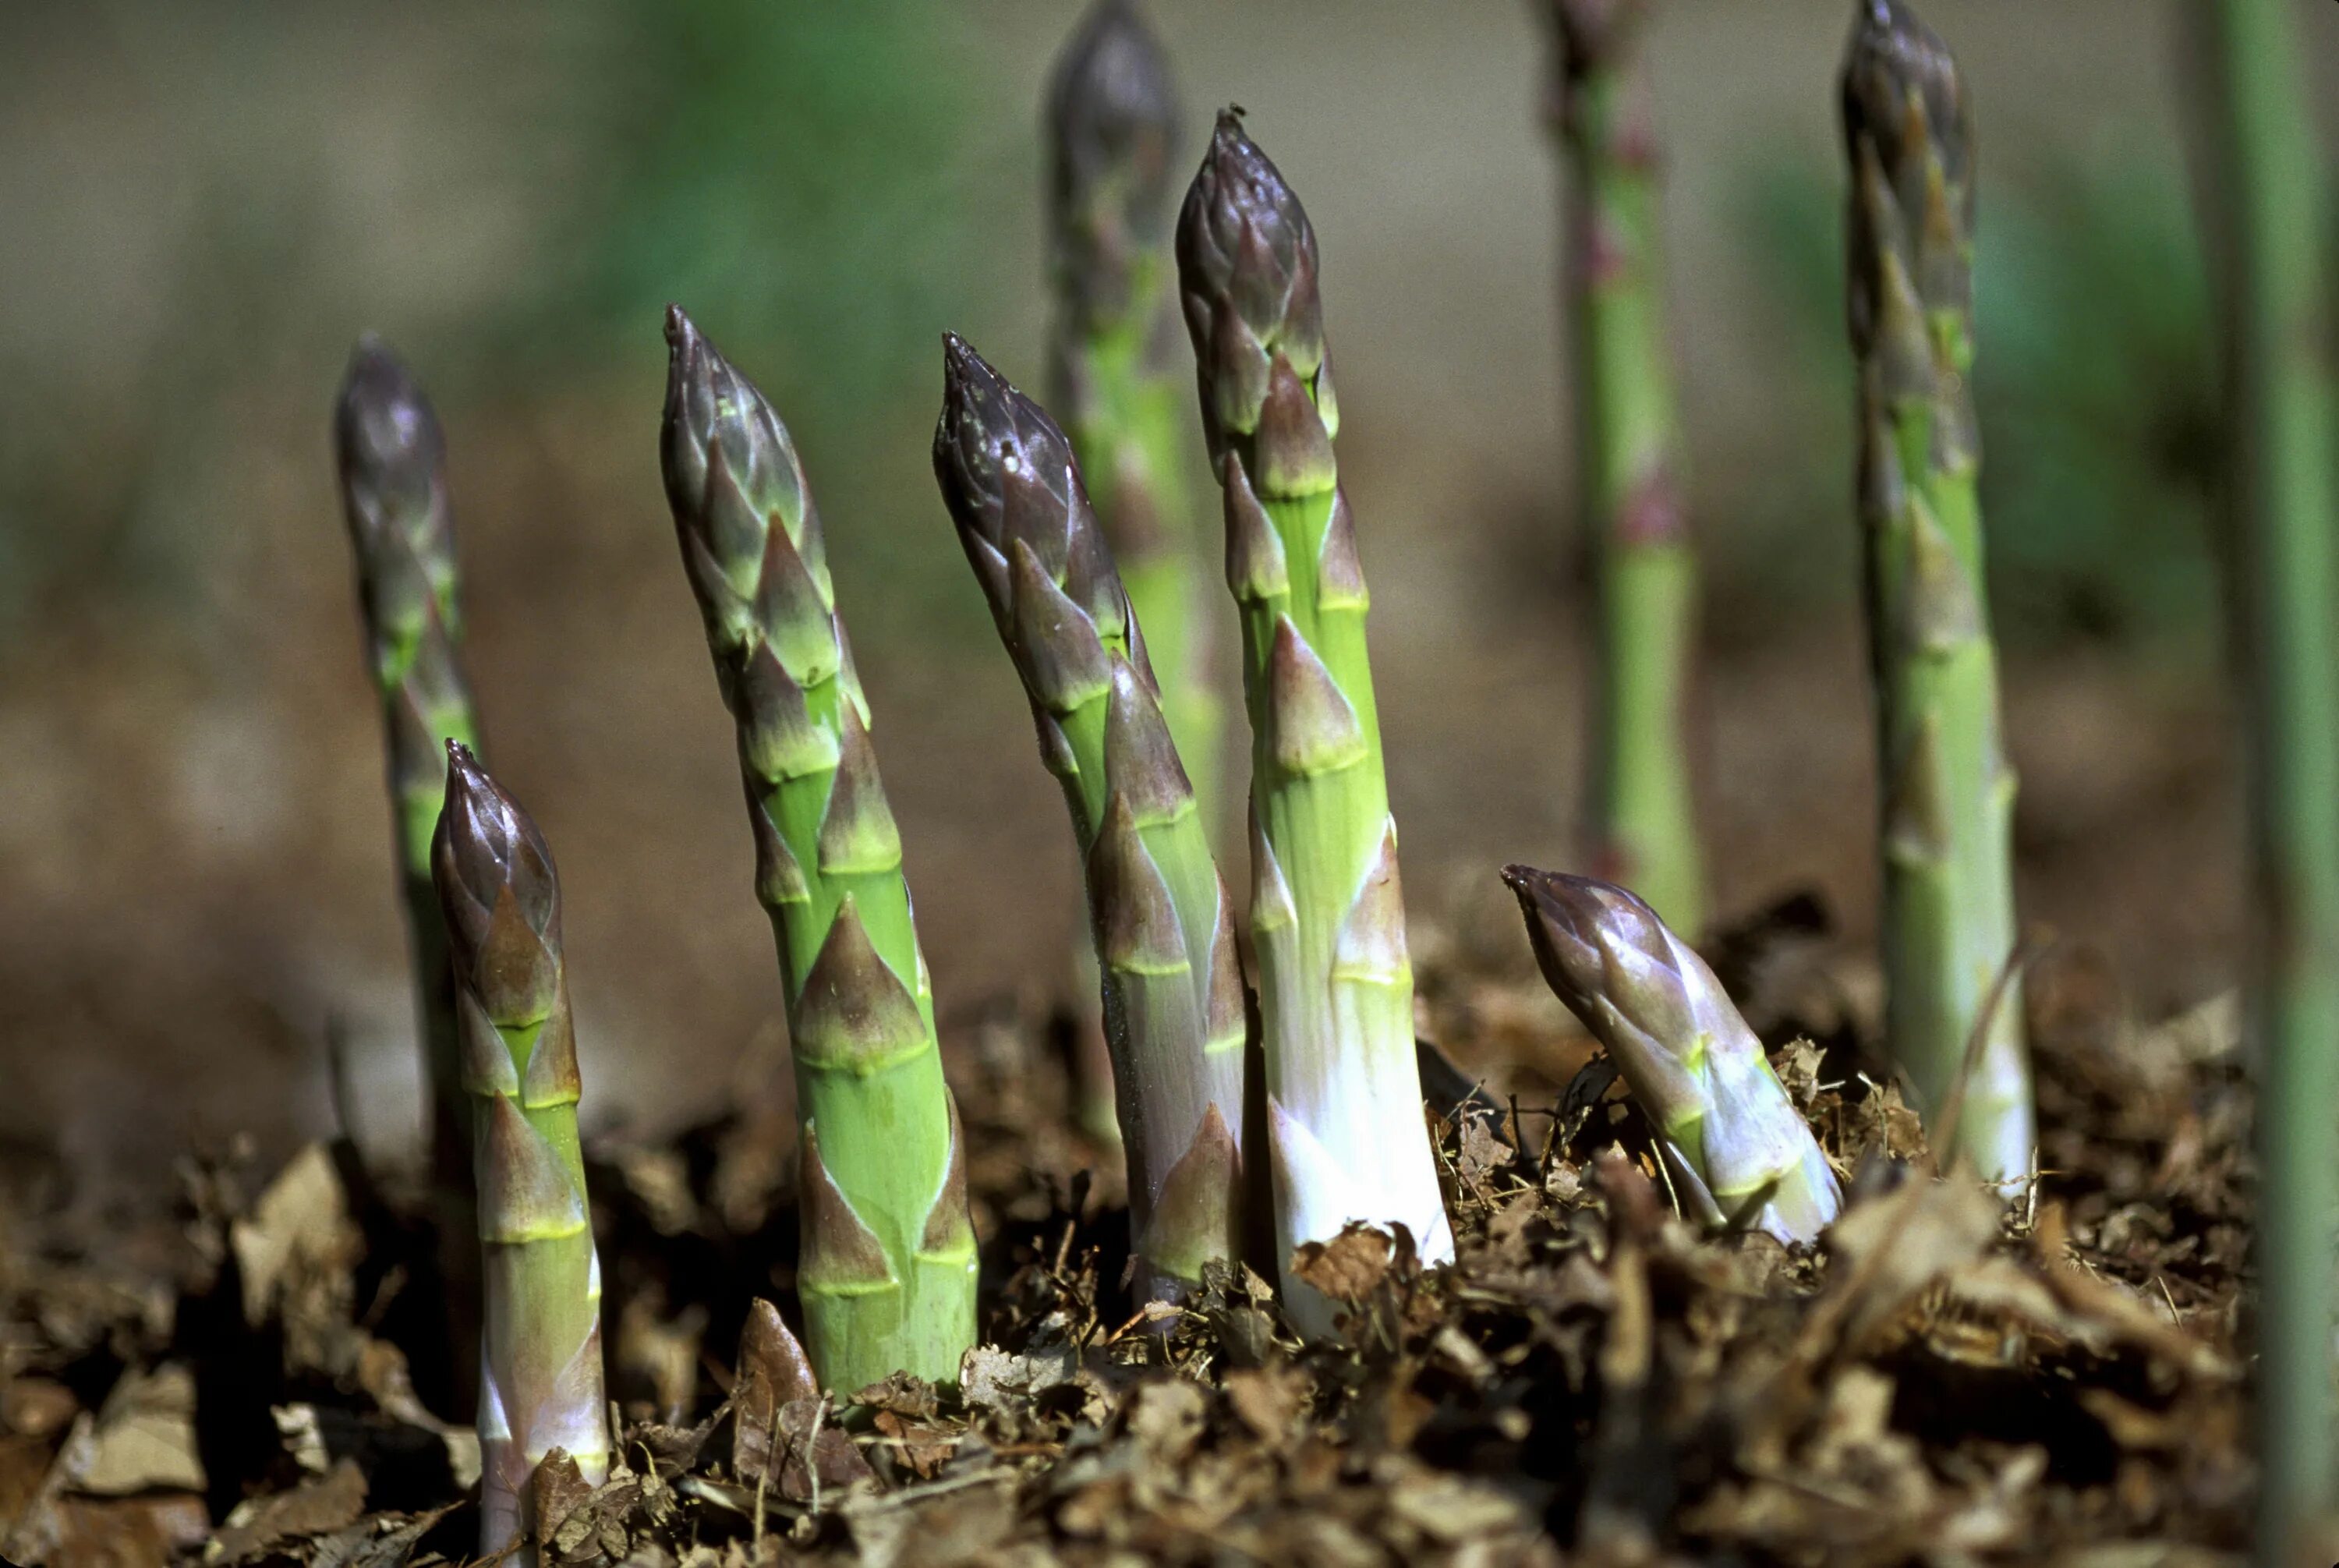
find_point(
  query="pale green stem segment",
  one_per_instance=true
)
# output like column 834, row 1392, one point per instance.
column 540, row 1384
column 1112, row 125
column 1738, row 1151
column 1947, row 794
column 2267, row 202
column 888, row 1267
column 1628, row 458
column 1173, row 981
column 1345, row 1133
column 392, row 461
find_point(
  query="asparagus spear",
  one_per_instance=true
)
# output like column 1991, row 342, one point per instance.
column 1948, row 794
column 1173, row 987
column 1737, row 1148
column 888, row 1268
column 394, row 492
column 1629, row 459
column 1344, row 1131
column 540, row 1356
column 2269, row 211
column 1112, row 129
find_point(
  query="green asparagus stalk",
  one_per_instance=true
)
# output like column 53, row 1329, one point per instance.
column 540, row 1356
column 1644, row 825
column 394, row 491
column 888, row 1268
column 1346, row 1138
column 2268, row 204
column 1738, row 1151
column 1947, row 794
column 1172, row 983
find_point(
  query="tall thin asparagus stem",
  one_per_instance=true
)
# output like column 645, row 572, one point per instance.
column 1344, row 1129
column 1947, row 811
column 392, row 461
column 1173, row 988
column 888, row 1269
column 2267, row 205
column 540, row 1384
column 1738, row 1149
column 1112, row 130
column 1629, row 459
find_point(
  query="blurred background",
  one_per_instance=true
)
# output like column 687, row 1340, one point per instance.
column 206, row 200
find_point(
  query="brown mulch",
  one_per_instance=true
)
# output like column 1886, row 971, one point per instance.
column 244, row 1374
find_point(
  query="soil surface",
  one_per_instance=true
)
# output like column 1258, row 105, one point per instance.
column 250, row 1367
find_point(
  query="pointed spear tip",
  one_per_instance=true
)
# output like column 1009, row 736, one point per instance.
column 1114, row 73
column 383, row 425
column 1894, row 53
column 472, row 792
column 966, row 374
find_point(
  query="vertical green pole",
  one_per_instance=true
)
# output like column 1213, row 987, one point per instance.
column 1947, row 827
column 1644, row 825
column 2267, row 198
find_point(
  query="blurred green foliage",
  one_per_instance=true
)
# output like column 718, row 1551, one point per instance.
column 792, row 175
column 512, row 195
column 2094, row 379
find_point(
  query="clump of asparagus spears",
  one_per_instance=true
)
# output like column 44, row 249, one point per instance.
column 1738, row 1151
column 540, row 1352
column 1629, row 459
column 2268, row 209
column 392, row 462
column 1947, row 794
column 1346, row 1137
column 1173, row 984
column 888, row 1269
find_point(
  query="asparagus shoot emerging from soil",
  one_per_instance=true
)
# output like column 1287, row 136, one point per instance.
column 1346, row 1135
column 394, row 492
column 540, row 1354
column 1173, row 988
column 1629, row 459
column 1737, row 1148
column 1947, row 794
column 888, row 1268
column 2267, row 206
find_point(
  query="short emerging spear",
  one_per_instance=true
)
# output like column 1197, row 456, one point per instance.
column 540, row 1384
column 1737, row 1151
